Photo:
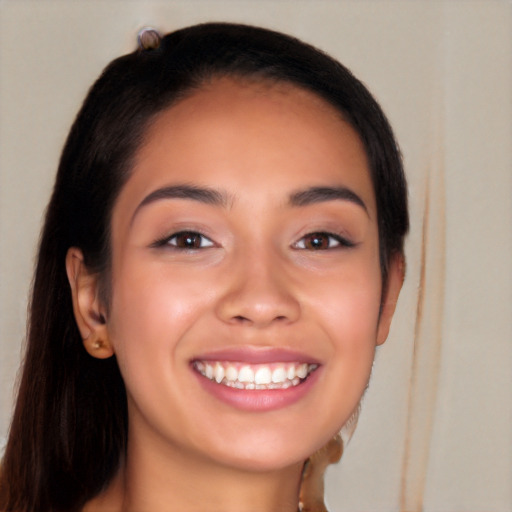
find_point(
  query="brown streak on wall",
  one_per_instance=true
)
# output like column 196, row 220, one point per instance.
column 426, row 356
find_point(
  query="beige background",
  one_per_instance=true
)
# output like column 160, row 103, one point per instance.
column 435, row 434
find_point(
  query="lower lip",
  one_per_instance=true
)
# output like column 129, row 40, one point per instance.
column 259, row 400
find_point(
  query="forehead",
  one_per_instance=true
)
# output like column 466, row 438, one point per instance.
column 258, row 137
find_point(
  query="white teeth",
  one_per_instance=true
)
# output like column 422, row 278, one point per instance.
column 279, row 375
column 263, row 375
column 231, row 373
column 302, row 371
column 246, row 374
column 257, row 376
column 219, row 372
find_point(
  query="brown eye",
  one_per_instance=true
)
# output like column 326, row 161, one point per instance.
column 321, row 241
column 316, row 241
column 189, row 240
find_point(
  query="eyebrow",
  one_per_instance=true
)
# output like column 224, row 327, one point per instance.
column 315, row 195
column 207, row 195
column 204, row 195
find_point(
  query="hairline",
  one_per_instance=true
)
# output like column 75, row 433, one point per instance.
column 211, row 78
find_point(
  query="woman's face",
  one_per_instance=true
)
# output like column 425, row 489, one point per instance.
column 246, row 280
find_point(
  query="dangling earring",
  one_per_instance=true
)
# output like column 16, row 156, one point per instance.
column 348, row 429
column 311, row 494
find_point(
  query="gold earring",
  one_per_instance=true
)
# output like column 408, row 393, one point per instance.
column 311, row 494
column 98, row 344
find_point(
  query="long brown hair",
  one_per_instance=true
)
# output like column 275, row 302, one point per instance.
column 69, row 429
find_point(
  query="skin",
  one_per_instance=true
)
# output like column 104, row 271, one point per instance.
column 254, row 281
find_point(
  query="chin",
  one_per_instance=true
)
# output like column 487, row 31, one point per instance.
column 270, row 451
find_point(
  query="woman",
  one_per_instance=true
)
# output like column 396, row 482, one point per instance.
column 222, row 252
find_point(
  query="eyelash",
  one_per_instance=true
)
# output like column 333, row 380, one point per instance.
column 333, row 240
column 339, row 241
column 190, row 237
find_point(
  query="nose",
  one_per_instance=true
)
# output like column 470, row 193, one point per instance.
column 258, row 294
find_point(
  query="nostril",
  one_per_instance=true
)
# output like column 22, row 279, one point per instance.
column 244, row 319
column 248, row 320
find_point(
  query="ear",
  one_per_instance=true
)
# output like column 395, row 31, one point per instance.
column 396, row 274
column 88, row 310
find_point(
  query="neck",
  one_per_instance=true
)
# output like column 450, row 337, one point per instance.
column 149, row 481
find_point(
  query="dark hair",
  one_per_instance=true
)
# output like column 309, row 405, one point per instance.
column 69, row 428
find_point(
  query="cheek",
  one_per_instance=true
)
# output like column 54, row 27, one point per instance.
column 353, row 331
column 153, row 307
column 347, row 301
column 346, row 307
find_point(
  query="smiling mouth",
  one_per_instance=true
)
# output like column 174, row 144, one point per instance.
column 241, row 375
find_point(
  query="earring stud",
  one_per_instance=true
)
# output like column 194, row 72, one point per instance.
column 98, row 344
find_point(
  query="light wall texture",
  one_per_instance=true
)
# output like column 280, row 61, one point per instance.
column 435, row 434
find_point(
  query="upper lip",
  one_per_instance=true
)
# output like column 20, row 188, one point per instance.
column 257, row 355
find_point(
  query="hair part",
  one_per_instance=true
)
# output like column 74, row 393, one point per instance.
column 69, row 429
